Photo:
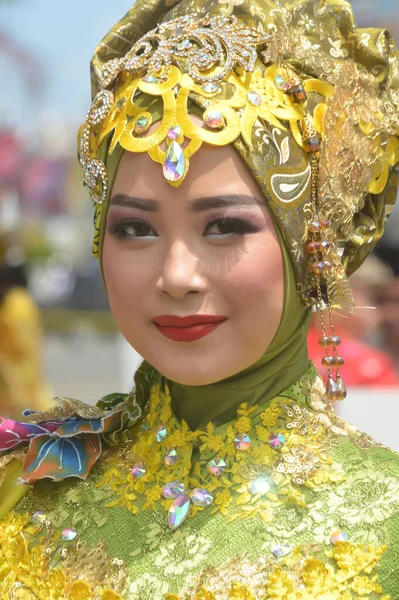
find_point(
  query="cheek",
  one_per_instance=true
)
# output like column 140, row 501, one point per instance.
column 126, row 279
column 257, row 279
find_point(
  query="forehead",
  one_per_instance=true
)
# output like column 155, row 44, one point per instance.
column 212, row 171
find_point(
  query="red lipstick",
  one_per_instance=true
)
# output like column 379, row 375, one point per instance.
column 187, row 329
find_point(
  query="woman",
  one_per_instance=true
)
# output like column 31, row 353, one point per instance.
column 239, row 168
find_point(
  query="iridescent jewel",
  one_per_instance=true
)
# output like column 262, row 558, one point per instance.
column 332, row 361
column 312, row 144
column 174, row 132
column 316, row 226
column 183, row 45
column 281, row 550
column 174, row 165
column 160, row 433
column 211, row 88
column 214, row 119
column 339, row 536
column 217, row 467
column 282, row 84
column 276, row 440
column 39, row 517
column 254, row 98
column 150, row 79
column 69, row 534
column 121, row 102
column 259, row 486
column 242, row 441
column 171, row 457
column 144, row 427
column 173, row 490
column 245, row 53
column 141, row 124
column 201, row 497
column 298, row 93
column 139, row 470
column 178, row 511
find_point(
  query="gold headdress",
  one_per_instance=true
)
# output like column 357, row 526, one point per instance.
column 310, row 103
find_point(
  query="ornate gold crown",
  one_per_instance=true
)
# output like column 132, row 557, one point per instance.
column 211, row 62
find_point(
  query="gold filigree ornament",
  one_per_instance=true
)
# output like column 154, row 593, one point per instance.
column 211, row 62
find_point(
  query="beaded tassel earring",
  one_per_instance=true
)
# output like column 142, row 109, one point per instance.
column 321, row 247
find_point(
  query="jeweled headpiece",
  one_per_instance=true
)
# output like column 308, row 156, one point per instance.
column 314, row 116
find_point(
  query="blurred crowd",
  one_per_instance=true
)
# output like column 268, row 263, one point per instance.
column 48, row 279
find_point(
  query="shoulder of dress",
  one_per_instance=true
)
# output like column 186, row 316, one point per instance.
column 66, row 440
column 352, row 437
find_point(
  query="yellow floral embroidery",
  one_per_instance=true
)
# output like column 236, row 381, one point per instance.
column 302, row 460
column 36, row 562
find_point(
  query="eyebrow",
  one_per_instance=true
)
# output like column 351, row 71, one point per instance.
column 198, row 205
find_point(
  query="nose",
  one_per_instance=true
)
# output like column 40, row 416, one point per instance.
column 181, row 273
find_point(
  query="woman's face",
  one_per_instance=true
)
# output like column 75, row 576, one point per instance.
column 194, row 274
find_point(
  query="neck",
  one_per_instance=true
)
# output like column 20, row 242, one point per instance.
column 218, row 402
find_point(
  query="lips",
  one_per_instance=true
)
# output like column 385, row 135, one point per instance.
column 187, row 329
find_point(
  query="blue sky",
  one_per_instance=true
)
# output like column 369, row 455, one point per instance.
column 63, row 36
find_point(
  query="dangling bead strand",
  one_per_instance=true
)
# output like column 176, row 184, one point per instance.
column 319, row 248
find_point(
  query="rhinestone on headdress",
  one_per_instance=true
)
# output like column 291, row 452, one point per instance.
column 254, row 98
column 141, row 125
column 174, row 132
column 214, row 119
column 175, row 163
column 150, row 79
column 211, row 88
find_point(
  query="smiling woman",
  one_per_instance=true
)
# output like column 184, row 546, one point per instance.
column 240, row 169
column 210, row 249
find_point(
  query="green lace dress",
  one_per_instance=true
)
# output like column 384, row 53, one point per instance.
column 285, row 502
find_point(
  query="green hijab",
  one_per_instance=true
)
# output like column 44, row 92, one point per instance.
column 282, row 364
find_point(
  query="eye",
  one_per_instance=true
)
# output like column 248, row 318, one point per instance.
column 132, row 229
column 229, row 227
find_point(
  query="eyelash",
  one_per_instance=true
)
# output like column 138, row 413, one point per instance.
column 238, row 227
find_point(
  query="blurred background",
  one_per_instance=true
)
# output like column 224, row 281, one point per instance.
column 57, row 336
